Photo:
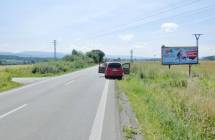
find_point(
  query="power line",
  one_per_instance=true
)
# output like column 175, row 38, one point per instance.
column 125, row 26
column 165, row 10
column 201, row 20
column 190, row 13
column 143, row 20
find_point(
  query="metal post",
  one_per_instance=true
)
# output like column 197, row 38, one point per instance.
column 55, row 54
column 190, row 70
column 131, row 56
column 169, row 67
column 197, row 36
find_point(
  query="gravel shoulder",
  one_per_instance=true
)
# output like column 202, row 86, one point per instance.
column 128, row 121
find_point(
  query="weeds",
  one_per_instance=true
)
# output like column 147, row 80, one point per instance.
column 170, row 105
column 129, row 132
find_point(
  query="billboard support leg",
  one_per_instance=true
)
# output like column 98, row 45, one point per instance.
column 190, row 70
column 169, row 67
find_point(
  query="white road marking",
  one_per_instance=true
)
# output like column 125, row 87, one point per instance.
column 68, row 83
column 96, row 130
column 12, row 111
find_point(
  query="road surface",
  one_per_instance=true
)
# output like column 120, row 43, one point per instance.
column 75, row 106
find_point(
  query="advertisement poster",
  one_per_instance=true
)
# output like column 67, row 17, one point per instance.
column 179, row 55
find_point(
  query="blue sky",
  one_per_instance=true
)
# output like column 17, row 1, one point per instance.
column 114, row 26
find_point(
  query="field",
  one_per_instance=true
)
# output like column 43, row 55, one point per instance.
column 170, row 105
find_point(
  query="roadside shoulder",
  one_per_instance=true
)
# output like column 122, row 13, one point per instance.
column 128, row 121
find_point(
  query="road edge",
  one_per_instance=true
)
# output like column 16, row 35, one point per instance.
column 127, row 118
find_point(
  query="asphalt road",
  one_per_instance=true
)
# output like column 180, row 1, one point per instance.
column 75, row 106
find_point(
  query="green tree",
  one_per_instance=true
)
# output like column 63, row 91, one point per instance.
column 74, row 55
column 75, row 52
column 96, row 55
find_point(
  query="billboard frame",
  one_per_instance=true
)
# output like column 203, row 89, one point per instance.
column 179, row 47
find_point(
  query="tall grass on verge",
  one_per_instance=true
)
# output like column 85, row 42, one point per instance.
column 62, row 66
column 168, row 104
column 5, row 81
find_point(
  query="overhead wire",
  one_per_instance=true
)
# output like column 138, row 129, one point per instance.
column 142, row 20
column 154, row 17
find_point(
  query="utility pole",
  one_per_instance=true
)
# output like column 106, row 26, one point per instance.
column 131, row 56
column 55, row 45
column 197, row 36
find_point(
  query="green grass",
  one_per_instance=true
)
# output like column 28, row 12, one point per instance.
column 5, row 81
column 9, row 85
column 129, row 132
column 170, row 105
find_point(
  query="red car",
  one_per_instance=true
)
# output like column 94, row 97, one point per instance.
column 114, row 69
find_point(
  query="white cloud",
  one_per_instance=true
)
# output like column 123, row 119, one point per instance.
column 169, row 27
column 127, row 37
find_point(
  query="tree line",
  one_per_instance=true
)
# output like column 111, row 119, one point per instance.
column 95, row 56
column 70, row 62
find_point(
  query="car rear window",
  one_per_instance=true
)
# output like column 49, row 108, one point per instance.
column 114, row 65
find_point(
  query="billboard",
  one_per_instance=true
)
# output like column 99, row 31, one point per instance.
column 179, row 55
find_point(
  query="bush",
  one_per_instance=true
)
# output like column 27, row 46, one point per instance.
column 60, row 66
column 51, row 67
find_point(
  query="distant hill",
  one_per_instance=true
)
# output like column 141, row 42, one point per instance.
column 209, row 58
column 17, row 60
column 126, row 57
column 36, row 54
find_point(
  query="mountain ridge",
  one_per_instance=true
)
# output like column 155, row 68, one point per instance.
column 37, row 54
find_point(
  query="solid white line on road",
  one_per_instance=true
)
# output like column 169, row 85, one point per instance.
column 12, row 111
column 68, row 83
column 96, row 130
